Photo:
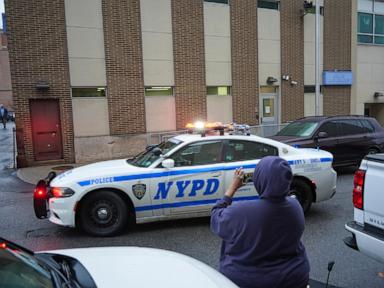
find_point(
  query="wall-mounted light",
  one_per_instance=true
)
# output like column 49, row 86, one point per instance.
column 42, row 85
column 285, row 77
column 271, row 80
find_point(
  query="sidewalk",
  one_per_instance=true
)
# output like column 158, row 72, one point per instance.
column 6, row 146
column 33, row 174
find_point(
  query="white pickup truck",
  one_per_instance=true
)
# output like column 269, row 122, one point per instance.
column 368, row 199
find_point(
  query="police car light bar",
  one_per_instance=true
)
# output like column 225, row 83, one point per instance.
column 212, row 127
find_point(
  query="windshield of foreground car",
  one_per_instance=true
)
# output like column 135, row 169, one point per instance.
column 19, row 269
column 146, row 158
column 298, row 129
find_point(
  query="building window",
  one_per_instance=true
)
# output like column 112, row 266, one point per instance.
column 313, row 10
column 219, row 90
column 370, row 22
column 158, row 91
column 268, row 4
column 88, row 92
column 218, row 1
column 312, row 89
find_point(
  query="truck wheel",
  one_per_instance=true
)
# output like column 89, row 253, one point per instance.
column 103, row 213
column 303, row 193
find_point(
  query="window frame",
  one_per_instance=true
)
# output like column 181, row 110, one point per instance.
column 373, row 34
column 218, row 1
column 221, row 152
column 338, row 128
column 159, row 89
column 229, row 90
column 226, row 147
column 369, row 124
column 355, row 122
column 89, row 97
column 276, row 2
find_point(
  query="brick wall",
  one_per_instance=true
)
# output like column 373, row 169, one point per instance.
column 292, row 59
column 38, row 51
column 337, row 53
column 189, row 61
column 244, row 48
column 124, row 66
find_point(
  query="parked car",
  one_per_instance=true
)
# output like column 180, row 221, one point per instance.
column 182, row 177
column 348, row 138
column 104, row 267
column 368, row 226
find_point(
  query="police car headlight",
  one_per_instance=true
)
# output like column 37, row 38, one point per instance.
column 62, row 192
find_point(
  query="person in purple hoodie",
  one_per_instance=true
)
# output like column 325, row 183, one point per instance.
column 261, row 238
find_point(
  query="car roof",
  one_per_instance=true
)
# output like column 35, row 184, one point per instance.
column 336, row 117
column 198, row 137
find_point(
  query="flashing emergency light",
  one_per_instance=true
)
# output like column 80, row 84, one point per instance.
column 210, row 127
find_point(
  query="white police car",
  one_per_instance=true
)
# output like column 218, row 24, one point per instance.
column 91, row 268
column 179, row 178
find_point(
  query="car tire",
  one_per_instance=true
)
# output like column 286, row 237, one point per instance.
column 103, row 213
column 303, row 192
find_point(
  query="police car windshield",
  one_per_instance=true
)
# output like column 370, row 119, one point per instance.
column 146, row 158
column 20, row 269
column 298, row 129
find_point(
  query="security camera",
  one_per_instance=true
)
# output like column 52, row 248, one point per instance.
column 293, row 83
column 285, row 77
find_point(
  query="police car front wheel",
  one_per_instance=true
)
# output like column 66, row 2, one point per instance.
column 303, row 192
column 103, row 213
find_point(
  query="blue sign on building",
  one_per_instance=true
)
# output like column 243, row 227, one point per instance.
column 337, row 78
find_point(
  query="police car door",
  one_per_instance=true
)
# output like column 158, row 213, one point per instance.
column 196, row 181
column 246, row 154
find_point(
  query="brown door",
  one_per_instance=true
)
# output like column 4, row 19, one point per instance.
column 46, row 129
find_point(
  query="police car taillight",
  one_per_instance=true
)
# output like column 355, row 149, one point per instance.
column 358, row 189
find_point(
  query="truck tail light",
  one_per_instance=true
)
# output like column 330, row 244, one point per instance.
column 358, row 189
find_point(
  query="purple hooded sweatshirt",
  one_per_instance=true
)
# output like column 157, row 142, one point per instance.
column 261, row 238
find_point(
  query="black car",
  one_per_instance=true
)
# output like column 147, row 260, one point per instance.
column 348, row 138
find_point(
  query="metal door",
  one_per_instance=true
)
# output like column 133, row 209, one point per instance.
column 46, row 129
column 269, row 112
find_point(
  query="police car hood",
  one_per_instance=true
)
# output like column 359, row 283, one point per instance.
column 145, row 267
column 95, row 170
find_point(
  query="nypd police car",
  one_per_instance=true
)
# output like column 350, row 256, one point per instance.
column 180, row 178
column 90, row 267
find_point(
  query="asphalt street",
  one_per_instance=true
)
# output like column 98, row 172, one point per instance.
column 322, row 238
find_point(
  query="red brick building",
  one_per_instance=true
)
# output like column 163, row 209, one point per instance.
column 91, row 77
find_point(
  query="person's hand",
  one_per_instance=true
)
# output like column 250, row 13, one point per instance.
column 237, row 182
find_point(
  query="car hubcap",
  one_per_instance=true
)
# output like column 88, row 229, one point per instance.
column 104, row 214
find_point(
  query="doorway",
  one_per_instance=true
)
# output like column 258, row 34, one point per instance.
column 269, row 110
column 46, row 129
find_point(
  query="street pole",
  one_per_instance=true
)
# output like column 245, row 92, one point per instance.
column 317, row 60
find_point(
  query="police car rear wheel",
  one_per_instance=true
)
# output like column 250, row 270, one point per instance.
column 103, row 213
column 303, row 193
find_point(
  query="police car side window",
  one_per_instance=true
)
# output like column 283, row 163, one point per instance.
column 238, row 150
column 200, row 153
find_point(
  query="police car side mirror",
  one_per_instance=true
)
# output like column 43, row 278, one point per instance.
column 168, row 163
